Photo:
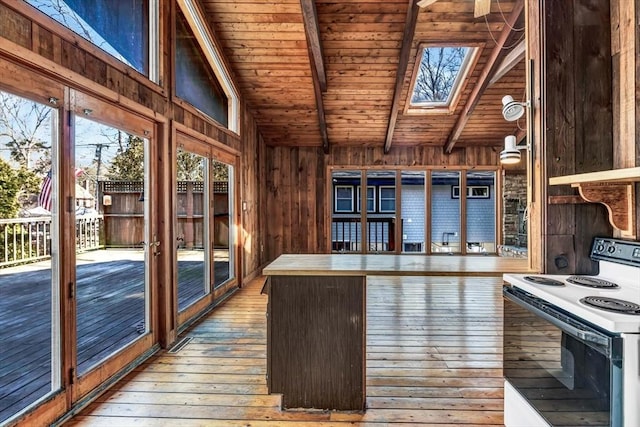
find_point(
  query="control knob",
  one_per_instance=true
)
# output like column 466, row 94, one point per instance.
column 611, row 249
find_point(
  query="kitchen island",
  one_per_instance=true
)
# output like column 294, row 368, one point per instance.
column 316, row 319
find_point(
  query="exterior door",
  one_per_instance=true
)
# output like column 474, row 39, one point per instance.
column 30, row 258
column 109, row 211
column 191, row 221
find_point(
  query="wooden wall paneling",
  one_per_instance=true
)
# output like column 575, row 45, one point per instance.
column 536, row 171
column 594, row 147
column 560, row 133
column 578, row 124
column 307, row 205
column 250, row 204
column 625, row 82
column 167, row 292
column 15, row 27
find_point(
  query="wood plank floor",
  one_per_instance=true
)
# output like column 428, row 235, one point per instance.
column 433, row 358
column 110, row 316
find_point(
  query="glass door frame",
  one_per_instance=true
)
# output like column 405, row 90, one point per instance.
column 48, row 92
column 82, row 104
column 185, row 142
column 428, row 170
column 183, row 137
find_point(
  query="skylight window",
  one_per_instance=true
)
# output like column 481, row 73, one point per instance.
column 438, row 77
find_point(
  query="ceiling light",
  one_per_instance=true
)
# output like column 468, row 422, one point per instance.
column 512, row 110
column 511, row 153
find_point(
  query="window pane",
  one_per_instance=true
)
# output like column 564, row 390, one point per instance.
column 481, row 212
column 381, row 232
column 111, row 257
column 346, row 225
column 221, row 175
column 192, row 264
column 119, row 27
column 195, row 81
column 413, row 211
column 445, row 213
column 29, row 256
column 439, row 74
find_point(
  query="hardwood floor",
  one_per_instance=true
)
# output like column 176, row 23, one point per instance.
column 433, row 358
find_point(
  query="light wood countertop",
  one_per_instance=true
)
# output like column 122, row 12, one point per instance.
column 393, row 265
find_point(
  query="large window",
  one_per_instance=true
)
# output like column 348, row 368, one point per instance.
column 195, row 81
column 415, row 211
column 29, row 255
column 438, row 77
column 125, row 29
column 202, row 79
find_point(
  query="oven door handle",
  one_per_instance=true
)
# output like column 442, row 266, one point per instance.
column 601, row 343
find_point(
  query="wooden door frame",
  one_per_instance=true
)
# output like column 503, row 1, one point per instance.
column 211, row 149
column 80, row 103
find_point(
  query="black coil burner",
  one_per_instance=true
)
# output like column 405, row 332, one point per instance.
column 539, row 280
column 592, row 282
column 612, row 304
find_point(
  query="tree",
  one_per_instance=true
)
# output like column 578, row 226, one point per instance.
column 9, row 189
column 439, row 69
column 220, row 171
column 128, row 163
column 30, row 184
column 190, row 166
column 21, row 123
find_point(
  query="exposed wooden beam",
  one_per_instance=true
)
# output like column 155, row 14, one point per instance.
column 483, row 81
column 322, row 121
column 407, row 41
column 319, row 76
column 514, row 57
column 310, row 18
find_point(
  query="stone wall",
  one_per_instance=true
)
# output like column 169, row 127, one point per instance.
column 514, row 192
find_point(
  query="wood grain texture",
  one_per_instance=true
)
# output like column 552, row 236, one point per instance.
column 316, row 351
column 433, row 358
column 391, row 265
column 578, row 135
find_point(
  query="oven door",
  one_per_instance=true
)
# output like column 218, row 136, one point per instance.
column 568, row 371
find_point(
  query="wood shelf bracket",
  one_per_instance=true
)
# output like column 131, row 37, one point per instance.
column 615, row 189
column 618, row 198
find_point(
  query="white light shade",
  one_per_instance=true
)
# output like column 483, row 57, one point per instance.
column 510, row 155
column 511, row 110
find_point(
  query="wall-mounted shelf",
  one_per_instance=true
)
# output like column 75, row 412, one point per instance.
column 614, row 189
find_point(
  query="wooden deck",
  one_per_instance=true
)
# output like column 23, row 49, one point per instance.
column 433, row 358
column 110, row 315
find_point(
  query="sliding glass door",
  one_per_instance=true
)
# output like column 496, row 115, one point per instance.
column 30, row 356
column 112, row 240
column 192, row 227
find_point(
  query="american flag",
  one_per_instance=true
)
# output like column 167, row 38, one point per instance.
column 44, row 199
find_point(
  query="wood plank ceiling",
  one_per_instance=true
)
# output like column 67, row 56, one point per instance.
column 336, row 82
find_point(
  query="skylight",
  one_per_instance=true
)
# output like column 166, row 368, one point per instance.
column 438, row 76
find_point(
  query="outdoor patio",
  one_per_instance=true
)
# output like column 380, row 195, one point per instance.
column 110, row 307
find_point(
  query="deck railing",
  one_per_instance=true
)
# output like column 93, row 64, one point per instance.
column 346, row 234
column 29, row 239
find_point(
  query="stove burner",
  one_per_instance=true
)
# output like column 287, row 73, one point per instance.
column 538, row 280
column 612, row 304
column 591, row 282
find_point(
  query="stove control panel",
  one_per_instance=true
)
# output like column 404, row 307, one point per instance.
column 616, row 250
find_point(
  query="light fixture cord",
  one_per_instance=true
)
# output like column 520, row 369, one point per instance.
column 504, row 18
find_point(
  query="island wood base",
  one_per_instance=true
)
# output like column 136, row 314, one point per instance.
column 316, row 344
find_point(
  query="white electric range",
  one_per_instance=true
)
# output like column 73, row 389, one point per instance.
column 572, row 343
